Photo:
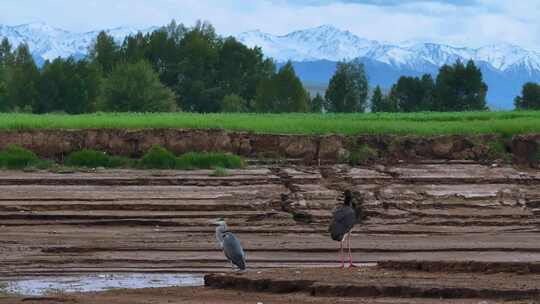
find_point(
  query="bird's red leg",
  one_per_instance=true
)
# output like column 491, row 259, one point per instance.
column 351, row 265
column 341, row 255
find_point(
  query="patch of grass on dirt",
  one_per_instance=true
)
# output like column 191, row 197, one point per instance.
column 362, row 155
column 220, row 172
column 209, row 160
column 95, row 159
column 42, row 164
column 158, row 158
column 15, row 157
column 497, row 150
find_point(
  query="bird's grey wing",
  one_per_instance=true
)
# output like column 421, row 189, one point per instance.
column 342, row 222
column 233, row 250
column 219, row 236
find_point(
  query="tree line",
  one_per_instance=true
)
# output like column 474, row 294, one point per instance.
column 457, row 87
column 179, row 68
column 172, row 69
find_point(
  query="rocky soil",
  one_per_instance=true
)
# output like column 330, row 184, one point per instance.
column 449, row 218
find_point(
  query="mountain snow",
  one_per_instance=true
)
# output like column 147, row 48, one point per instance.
column 48, row 43
column 320, row 43
column 329, row 43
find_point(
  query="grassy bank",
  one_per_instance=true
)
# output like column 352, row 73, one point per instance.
column 506, row 123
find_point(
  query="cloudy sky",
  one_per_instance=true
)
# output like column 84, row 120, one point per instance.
column 459, row 22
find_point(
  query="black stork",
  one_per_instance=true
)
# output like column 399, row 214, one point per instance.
column 343, row 221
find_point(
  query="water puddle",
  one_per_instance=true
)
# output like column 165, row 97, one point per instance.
column 93, row 283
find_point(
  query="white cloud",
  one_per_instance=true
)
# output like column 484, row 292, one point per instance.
column 463, row 22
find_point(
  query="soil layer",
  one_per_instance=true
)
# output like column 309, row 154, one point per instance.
column 309, row 149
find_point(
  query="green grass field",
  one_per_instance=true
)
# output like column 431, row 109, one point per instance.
column 505, row 123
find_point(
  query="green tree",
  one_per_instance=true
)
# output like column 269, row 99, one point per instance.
column 390, row 103
column 282, row 93
column 6, row 62
column 7, row 57
column 198, row 65
column 3, row 89
column 197, row 83
column 377, row 100
column 428, row 90
column 240, row 69
column 22, row 87
column 92, row 78
column 68, row 85
column 134, row 48
column 51, row 87
column 414, row 94
column 460, row 88
column 317, row 103
column 530, row 97
column 233, row 104
column 348, row 89
column 135, row 87
column 105, row 52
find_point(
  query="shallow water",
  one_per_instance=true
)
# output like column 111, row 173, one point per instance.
column 91, row 283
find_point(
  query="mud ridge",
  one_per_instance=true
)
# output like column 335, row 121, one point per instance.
column 373, row 286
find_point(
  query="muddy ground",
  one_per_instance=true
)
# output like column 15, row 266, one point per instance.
column 203, row 295
column 159, row 221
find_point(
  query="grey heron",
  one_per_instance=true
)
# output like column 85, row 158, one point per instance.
column 231, row 246
column 343, row 221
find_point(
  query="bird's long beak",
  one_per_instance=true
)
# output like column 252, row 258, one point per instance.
column 217, row 221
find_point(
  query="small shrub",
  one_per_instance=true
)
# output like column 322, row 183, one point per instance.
column 42, row 164
column 158, row 158
column 88, row 159
column 233, row 104
column 63, row 170
column 15, row 157
column 121, row 162
column 208, row 161
column 362, row 155
column 94, row 159
column 220, row 172
column 497, row 150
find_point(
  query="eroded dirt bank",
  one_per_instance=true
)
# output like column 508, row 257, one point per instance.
column 308, row 148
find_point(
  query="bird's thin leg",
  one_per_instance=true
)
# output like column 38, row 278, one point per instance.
column 341, row 255
column 350, row 254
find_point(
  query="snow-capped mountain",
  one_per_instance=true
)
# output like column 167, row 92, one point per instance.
column 329, row 43
column 314, row 53
column 324, row 42
column 321, row 43
column 47, row 43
